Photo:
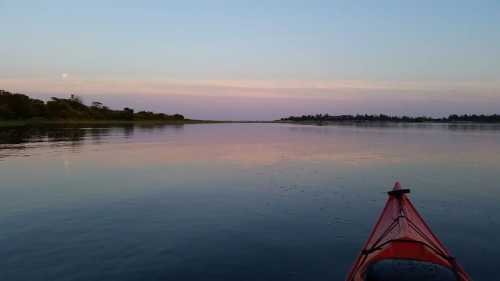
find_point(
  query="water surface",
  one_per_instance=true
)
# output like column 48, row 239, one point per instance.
column 235, row 201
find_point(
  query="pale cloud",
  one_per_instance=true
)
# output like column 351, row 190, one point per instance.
column 337, row 89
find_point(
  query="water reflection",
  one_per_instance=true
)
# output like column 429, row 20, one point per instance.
column 258, row 146
column 235, row 201
column 29, row 137
column 76, row 134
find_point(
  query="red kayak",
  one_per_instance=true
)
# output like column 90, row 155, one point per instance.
column 402, row 247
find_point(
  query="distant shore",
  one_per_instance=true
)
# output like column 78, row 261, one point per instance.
column 368, row 123
column 321, row 119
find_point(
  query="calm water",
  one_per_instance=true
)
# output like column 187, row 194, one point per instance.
column 235, row 201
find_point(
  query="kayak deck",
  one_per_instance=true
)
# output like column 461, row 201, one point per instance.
column 408, row 270
column 401, row 246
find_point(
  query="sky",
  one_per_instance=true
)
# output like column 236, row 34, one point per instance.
column 257, row 60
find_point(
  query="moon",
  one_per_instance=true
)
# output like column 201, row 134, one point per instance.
column 64, row 75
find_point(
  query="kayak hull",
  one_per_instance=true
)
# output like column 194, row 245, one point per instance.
column 401, row 238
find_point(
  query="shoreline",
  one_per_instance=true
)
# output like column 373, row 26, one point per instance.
column 41, row 122
column 35, row 122
column 327, row 123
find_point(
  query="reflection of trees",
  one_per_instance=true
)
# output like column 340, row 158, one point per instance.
column 21, row 135
column 128, row 131
column 74, row 135
column 20, row 140
column 387, row 125
column 95, row 134
column 69, row 135
column 473, row 127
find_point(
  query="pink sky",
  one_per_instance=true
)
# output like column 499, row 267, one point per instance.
column 271, row 99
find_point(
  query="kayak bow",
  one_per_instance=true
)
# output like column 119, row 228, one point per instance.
column 401, row 246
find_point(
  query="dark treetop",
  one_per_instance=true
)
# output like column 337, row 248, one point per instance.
column 21, row 107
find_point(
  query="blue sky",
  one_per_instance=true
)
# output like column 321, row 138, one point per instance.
column 393, row 50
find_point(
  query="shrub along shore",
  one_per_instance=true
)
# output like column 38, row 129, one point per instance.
column 22, row 110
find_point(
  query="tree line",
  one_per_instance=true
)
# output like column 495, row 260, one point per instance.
column 495, row 118
column 14, row 106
